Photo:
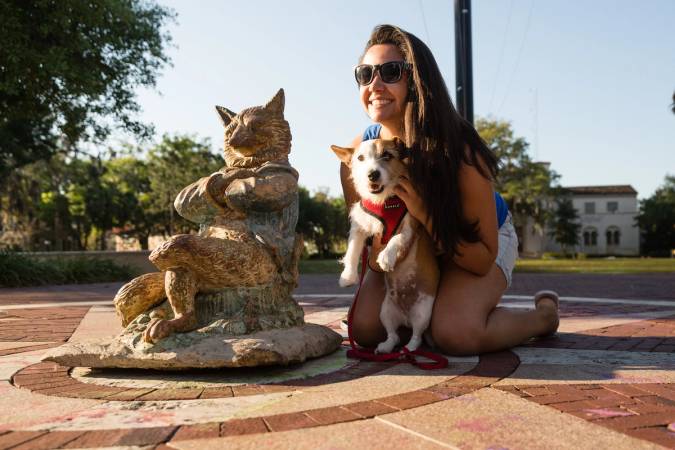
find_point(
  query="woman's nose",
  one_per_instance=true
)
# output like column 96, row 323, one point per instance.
column 377, row 84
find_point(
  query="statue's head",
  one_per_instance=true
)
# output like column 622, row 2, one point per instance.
column 256, row 134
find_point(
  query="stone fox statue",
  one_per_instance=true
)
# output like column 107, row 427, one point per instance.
column 247, row 213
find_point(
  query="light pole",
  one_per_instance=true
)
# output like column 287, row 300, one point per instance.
column 463, row 61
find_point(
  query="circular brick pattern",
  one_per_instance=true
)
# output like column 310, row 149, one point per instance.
column 491, row 368
column 643, row 410
column 48, row 378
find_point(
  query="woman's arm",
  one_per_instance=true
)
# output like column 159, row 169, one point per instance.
column 477, row 197
column 478, row 202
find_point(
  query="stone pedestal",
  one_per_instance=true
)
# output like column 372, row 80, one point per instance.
column 239, row 327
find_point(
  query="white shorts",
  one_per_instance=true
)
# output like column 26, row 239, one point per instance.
column 507, row 249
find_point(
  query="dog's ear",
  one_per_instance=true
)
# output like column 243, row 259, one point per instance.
column 344, row 153
column 403, row 152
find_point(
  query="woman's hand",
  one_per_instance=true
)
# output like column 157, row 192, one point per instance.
column 406, row 192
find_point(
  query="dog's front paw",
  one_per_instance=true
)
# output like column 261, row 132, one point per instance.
column 386, row 260
column 348, row 277
column 385, row 347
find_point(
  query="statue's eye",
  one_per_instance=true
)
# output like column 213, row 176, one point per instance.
column 387, row 156
column 360, row 158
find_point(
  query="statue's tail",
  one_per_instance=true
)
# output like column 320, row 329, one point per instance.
column 139, row 295
column 293, row 273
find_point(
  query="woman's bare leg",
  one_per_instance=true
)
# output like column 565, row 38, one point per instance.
column 466, row 319
column 367, row 329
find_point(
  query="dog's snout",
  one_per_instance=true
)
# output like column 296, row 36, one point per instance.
column 374, row 175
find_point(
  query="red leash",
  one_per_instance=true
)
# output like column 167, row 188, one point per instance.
column 403, row 355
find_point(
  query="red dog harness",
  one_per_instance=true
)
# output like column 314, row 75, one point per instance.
column 391, row 214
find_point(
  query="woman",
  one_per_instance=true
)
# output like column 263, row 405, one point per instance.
column 450, row 190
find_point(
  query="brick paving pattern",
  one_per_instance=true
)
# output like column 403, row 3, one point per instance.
column 641, row 410
column 644, row 410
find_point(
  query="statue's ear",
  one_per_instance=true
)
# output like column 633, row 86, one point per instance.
column 225, row 114
column 276, row 105
column 344, row 154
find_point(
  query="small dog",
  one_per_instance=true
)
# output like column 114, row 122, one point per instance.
column 408, row 259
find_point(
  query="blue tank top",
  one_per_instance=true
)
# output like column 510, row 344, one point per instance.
column 373, row 132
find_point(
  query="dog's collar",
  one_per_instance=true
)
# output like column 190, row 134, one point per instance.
column 390, row 213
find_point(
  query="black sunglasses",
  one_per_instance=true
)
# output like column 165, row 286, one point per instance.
column 390, row 72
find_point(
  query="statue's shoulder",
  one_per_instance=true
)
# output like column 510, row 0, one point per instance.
column 278, row 166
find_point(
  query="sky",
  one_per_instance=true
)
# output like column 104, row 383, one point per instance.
column 587, row 84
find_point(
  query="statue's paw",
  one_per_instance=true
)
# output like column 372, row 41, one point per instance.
column 348, row 277
column 160, row 328
column 386, row 260
column 157, row 329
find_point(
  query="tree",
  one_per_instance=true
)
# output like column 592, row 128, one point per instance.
column 526, row 185
column 322, row 220
column 69, row 70
column 174, row 163
column 657, row 220
column 565, row 224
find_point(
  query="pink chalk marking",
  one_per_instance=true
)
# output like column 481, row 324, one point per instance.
column 475, row 426
column 603, row 412
column 671, row 427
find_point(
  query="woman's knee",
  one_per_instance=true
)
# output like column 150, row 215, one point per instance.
column 458, row 337
column 367, row 331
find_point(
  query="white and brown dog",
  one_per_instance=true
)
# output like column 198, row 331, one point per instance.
column 408, row 258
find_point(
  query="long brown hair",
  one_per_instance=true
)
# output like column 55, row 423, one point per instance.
column 438, row 137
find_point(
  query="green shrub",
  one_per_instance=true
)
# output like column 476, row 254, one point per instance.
column 19, row 270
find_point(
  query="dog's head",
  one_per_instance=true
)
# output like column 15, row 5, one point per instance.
column 375, row 165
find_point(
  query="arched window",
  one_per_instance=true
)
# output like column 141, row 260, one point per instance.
column 590, row 235
column 613, row 235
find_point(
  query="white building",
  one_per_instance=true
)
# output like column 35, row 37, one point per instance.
column 607, row 217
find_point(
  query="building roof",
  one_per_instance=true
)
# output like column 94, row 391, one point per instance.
column 624, row 189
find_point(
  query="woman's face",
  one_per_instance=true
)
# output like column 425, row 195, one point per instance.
column 384, row 103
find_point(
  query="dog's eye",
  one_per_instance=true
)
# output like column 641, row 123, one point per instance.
column 386, row 156
column 360, row 158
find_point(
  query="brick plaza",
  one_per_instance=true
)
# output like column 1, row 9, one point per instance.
column 607, row 379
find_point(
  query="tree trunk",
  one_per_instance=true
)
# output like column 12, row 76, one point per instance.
column 143, row 240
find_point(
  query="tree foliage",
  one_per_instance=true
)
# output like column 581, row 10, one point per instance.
column 323, row 221
column 174, row 163
column 526, row 185
column 565, row 226
column 67, row 203
column 657, row 220
column 69, row 70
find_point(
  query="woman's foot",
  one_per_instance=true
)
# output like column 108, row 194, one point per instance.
column 548, row 303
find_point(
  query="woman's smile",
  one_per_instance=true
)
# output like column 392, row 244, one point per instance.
column 384, row 102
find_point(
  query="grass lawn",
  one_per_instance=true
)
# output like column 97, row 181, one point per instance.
column 592, row 265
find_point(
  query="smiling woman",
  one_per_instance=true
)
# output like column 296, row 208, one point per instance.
column 449, row 189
